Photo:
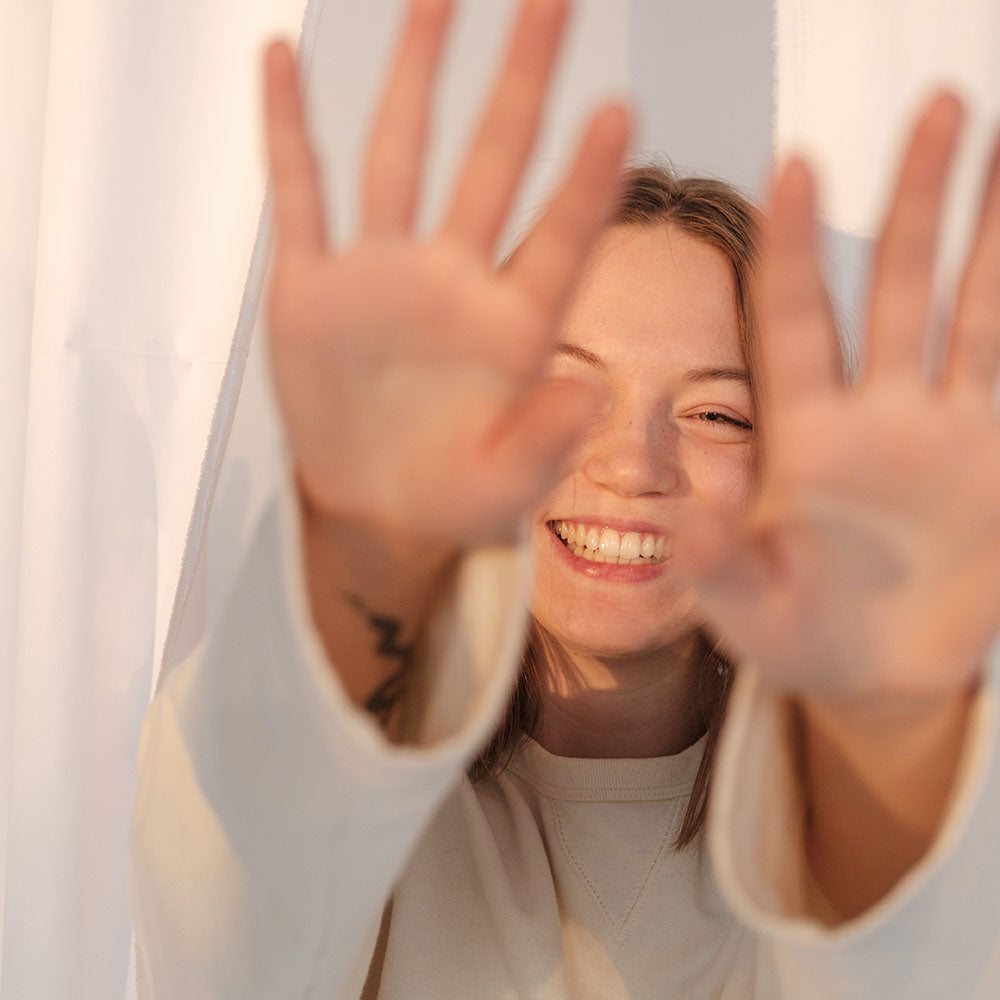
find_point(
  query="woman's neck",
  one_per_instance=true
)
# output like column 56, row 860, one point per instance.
column 636, row 706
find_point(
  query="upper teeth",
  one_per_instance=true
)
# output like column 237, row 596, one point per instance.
column 601, row 544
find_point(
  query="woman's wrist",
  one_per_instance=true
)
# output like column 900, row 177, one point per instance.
column 372, row 589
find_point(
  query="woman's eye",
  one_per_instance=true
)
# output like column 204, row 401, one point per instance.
column 714, row 417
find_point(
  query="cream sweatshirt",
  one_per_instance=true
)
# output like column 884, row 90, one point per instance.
column 273, row 823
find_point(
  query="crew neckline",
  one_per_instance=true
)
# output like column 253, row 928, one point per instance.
column 583, row 779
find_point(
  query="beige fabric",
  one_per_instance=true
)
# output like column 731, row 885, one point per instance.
column 560, row 880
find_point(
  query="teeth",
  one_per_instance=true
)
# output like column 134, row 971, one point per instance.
column 611, row 544
column 606, row 545
column 631, row 545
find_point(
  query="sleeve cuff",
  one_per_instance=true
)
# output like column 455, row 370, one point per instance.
column 756, row 825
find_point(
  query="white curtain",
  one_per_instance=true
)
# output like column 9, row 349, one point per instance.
column 132, row 182
column 849, row 78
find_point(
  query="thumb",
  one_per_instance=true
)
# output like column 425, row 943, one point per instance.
column 730, row 570
column 532, row 448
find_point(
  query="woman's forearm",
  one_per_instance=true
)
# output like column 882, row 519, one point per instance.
column 877, row 780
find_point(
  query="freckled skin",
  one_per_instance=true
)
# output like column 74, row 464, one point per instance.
column 654, row 305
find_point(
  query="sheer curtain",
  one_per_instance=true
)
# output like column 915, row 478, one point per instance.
column 132, row 182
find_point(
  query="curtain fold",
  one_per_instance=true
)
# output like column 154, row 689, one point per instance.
column 23, row 87
column 133, row 182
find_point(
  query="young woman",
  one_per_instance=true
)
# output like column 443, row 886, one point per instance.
column 304, row 824
column 618, row 662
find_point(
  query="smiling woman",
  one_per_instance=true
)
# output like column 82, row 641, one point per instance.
column 662, row 325
column 305, row 822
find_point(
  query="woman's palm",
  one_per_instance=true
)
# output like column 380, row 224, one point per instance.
column 410, row 372
column 871, row 562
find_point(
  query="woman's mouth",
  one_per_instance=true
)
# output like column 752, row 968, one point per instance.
column 601, row 544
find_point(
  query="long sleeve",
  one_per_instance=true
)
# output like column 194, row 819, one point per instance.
column 935, row 936
column 271, row 817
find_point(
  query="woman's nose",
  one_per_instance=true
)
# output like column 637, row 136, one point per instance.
column 635, row 456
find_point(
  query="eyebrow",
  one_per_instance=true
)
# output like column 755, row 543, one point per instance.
column 582, row 354
column 718, row 374
column 697, row 375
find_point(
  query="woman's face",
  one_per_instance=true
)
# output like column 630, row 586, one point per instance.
column 654, row 324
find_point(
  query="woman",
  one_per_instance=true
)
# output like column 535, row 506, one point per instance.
column 286, row 844
column 677, row 366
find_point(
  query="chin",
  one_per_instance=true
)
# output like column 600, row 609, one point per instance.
column 609, row 632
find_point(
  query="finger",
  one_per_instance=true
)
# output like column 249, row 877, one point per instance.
column 298, row 199
column 904, row 259
column 798, row 347
column 395, row 154
column 974, row 353
column 503, row 142
column 549, row 261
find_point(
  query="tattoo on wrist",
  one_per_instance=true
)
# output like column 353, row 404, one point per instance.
column 383, row 700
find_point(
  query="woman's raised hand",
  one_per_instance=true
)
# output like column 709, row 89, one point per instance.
column 870, row 563
column 409, row 371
